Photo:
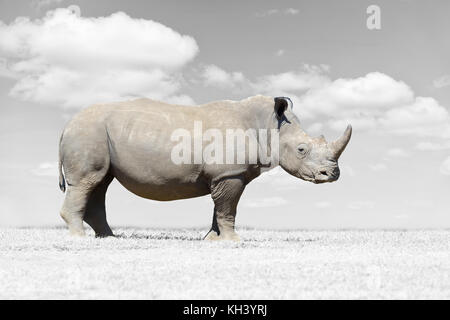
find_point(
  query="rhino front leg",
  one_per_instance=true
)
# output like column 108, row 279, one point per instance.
column 225, row 194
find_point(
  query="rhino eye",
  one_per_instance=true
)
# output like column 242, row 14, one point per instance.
column 302, row 149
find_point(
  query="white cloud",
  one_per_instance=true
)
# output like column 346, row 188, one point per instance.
column 294, row 82
column 322, row 204
column 265, row 202
column 360, row 205
column 271, row 12
column 301, row 80
column 279, row 53
column 291, row 11
column 423, row 117
column 445, row 167
column 46, row 169
column 397, row 153
column 433, row 146
column 267, row 13
column 442, row 82
column 39, row 4
column 377, row 167
column 73, row 61
column 362, row 98
column 374, row 102
column 5, row 71
column 214, row 76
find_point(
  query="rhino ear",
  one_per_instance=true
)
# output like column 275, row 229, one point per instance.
column 281, row 105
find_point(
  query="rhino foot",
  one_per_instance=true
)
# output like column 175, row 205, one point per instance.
column 77, row 232
column 230, row 236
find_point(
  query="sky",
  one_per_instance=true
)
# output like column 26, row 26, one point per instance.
column 392, row 84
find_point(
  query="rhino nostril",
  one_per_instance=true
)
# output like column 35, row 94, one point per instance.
column 323, row 172
column 336, row 173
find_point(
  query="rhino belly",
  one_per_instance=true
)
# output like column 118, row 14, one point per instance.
column 159, row 181
column 163, row 192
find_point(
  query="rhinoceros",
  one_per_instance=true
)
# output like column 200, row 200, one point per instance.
column 132, row 141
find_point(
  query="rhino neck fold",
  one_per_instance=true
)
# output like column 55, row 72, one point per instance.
column 258, row 114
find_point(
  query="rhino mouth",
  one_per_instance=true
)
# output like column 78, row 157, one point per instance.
column 310, row 177
column 323, row 175
column 326, row 175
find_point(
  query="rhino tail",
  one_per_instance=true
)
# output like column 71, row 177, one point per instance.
column 62, row 181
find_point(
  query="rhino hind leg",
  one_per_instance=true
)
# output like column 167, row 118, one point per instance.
column 82, row 202
column 95, row 213
column 225, row 194
column 73, row 209
column 85, row 158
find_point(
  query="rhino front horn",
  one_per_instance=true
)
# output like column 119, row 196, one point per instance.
column 339, row 145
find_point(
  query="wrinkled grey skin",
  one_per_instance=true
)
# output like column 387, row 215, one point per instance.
column 130, row 141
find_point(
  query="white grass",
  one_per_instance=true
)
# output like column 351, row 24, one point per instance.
column 176, row 264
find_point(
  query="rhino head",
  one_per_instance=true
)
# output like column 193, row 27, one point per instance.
column 305, row 157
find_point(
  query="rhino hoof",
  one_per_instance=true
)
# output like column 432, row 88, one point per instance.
column 230, row 236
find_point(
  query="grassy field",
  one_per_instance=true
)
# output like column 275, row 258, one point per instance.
column 176, row 264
